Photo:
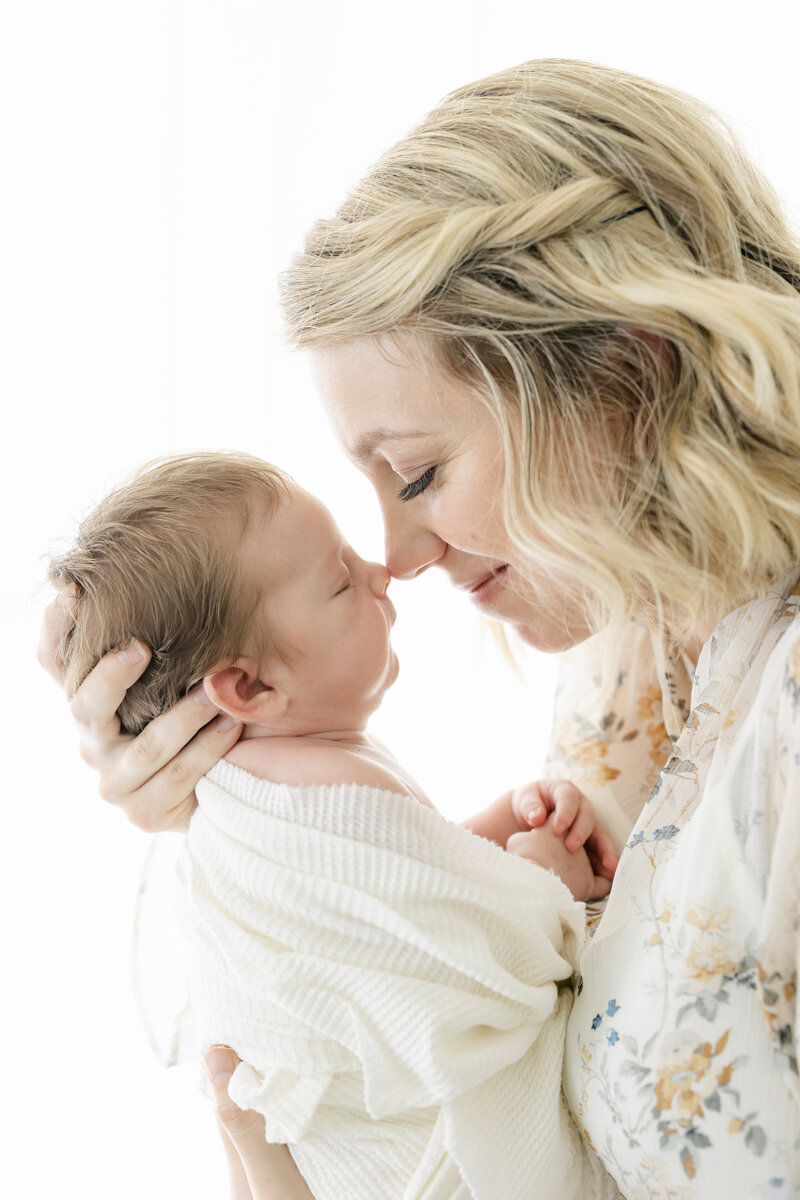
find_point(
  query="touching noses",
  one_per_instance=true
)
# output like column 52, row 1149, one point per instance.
column 410, row 548
column 379, row 579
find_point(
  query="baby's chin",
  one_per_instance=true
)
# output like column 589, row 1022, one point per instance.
column 392, row 671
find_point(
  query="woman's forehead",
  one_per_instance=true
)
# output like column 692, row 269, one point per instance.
column 371, row 397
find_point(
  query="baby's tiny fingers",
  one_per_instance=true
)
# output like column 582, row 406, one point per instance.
column 600, row 887
column 567, row 802
column 581, row 829
column 520, row 844
column 602, row 852
column 528, row 804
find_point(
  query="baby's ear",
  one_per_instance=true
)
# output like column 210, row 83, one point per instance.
column 239, row 691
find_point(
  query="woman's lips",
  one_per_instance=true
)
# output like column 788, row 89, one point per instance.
column 487, row 589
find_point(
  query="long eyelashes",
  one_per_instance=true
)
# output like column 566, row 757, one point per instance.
column 417, row 486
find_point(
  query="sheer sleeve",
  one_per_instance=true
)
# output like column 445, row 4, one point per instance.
column 612, row 743
column 775, row 754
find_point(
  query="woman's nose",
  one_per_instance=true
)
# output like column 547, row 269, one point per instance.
column 410, row 548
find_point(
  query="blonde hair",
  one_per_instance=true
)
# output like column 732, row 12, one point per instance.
column 595, row 257
column 158, row 560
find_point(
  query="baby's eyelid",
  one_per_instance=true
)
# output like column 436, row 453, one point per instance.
column 348, row 583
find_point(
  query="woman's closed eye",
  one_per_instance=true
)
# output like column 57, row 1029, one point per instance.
column 417, row 486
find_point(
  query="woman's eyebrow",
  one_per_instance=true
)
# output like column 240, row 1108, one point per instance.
column 365, row 447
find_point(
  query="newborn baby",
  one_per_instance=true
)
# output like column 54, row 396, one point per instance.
column 390, row 980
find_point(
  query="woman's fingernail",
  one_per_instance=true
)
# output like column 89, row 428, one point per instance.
column 220, row 1065
column 226, row 723
column 133, row 653
column 202, row 697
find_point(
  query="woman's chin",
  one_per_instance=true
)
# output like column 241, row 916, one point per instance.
column 549, row 637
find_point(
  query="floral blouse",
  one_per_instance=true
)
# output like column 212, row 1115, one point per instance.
column 681, row 1055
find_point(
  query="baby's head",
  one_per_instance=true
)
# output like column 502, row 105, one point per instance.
column 234, row 575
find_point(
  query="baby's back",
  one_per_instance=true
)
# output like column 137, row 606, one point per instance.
column 378, row 968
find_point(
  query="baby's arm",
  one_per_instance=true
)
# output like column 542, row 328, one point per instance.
column 553, row 824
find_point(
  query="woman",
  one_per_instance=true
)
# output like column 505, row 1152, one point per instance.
column 558, row 326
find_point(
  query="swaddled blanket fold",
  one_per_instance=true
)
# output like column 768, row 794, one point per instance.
column 391, row 983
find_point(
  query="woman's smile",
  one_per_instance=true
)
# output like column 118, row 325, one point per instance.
column 485, row 590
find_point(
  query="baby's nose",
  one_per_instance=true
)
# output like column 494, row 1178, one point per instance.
column 379, row 578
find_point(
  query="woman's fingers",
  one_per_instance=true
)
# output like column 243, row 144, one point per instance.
column 581, row 827
column 166, row 800
column 94, row 705
column 239, row 1188
column 151, row 777
column 269, row 1169
column 239, row 1124
column 57, row 621
column 163, row 743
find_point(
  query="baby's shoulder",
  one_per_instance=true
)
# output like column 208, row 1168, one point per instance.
column 309, row 762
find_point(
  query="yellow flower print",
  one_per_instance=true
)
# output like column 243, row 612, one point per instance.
column 730, row 718
column 709, row 959
column 650, row 707
column 708, row 913
column 650, row 703
column 660, row 743
column 686, row 1077
column 590, row 757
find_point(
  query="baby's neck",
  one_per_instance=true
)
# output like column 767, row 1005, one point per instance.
column 356, row 736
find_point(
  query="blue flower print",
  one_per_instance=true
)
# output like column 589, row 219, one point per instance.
column 665, row 832
column 636, row 839
column 597, row 1022
column 613, row 1037
column 613, row 1008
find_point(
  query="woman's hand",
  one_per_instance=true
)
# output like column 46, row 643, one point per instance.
column 257, row 1169
column 150, row 777
column 573, row 819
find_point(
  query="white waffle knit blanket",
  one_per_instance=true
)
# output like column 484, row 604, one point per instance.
column 391, row 983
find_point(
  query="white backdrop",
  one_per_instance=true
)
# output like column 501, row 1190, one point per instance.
column 162, row 159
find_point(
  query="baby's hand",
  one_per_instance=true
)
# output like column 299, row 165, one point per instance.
column 548, row 849
column 573, row 820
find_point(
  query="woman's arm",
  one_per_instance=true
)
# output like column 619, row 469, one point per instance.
column 257, row 1169
column 150, row 777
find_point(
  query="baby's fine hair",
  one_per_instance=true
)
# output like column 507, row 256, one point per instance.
column 159, row 560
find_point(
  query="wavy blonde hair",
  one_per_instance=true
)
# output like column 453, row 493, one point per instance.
column 594, row 256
